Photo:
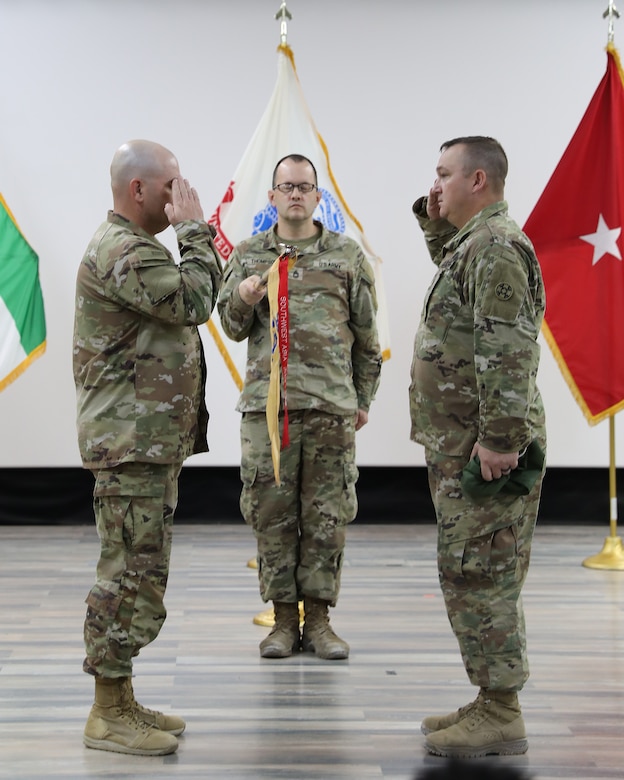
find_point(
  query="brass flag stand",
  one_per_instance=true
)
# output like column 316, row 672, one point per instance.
column 612, row 554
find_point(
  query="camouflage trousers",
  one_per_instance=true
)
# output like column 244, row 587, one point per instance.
column 134, row 505
column 300, row 525
column 484, row 549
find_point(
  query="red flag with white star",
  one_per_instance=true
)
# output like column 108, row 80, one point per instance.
column 576, row 228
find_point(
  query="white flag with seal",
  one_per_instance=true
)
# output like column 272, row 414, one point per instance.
column 285, row 128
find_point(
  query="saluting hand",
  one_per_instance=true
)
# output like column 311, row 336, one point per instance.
column 184, row 203
column 433, row 207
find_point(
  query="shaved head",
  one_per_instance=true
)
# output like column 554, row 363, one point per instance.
column 137, row 159
column 142, row 173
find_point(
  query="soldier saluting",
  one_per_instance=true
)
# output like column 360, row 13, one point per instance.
column 474, row 396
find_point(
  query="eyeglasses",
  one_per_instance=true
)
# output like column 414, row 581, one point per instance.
column 288, row 187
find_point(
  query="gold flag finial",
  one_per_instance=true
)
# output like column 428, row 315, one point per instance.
column 612, row 14
column 283, row 14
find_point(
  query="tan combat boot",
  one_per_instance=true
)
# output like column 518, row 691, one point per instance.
column 493, row 727
column 169, row 723
column 318, row 635
column 114, row 725
column 284, row 636
column 439, row 722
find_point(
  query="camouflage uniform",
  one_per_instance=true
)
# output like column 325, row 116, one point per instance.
column 333, row 370
column 140, row 377
column 474, row 380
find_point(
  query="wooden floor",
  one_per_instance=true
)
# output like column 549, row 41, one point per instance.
column 303, row 718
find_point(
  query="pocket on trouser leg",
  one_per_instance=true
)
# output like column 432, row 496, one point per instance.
column 504, row 553
column 130, row 509
column 348, row 505
column 489, row 561
column 248, row 498
column 261, row 499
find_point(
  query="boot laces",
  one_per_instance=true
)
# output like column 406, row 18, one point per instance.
column 133, row 719
column 131, row 710
column 141, row 710
column 479, row 712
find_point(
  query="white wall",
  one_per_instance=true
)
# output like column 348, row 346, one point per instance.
column 386, row 80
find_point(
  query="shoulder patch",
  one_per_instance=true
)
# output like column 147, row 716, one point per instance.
column 504, row 289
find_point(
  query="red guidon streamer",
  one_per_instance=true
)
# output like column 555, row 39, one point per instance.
column 277, row 292
column 283, row 335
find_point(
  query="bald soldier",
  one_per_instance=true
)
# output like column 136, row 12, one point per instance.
column 140, row 377
column 476, row 408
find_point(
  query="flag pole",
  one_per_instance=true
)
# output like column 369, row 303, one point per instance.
column 282, row 15
column 267, row 616
column 612, row 554
column 612, row 14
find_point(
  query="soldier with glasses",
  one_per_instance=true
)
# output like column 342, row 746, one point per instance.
column 333, row 372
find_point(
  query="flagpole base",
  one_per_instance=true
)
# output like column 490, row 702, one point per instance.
column 267, row 617
column 610, row 557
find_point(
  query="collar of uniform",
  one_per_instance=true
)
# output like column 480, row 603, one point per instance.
column 494, row 209
column 271, row 241
column 118, row 219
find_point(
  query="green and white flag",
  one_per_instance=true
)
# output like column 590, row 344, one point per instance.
column 22, row 317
